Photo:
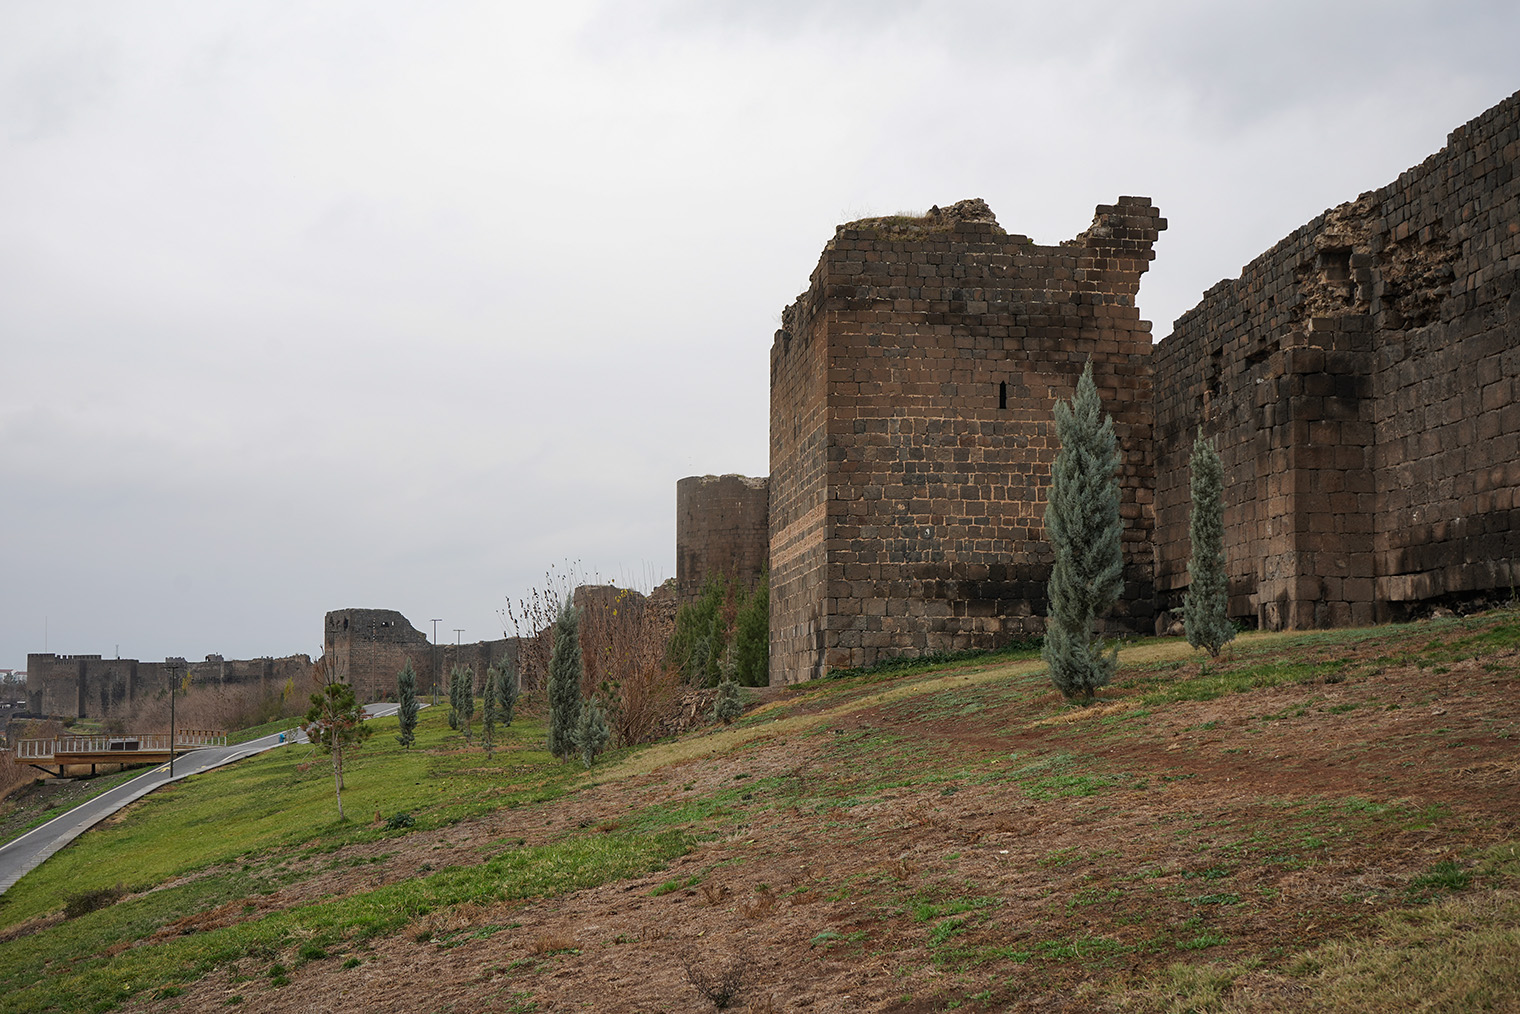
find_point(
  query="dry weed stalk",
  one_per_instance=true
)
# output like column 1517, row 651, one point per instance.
column 719, row 986
column 902, row 868
column 713, row 893
column 761, row 904
column 531, row 620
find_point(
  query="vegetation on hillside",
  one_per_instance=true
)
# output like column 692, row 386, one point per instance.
column 1319, row 820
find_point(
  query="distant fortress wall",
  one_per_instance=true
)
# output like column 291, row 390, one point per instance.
column 89, row 686
column 371, row 646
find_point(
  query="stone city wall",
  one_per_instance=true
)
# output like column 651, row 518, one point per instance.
column 1359, row 381
column 371, row 646
column 89, row 686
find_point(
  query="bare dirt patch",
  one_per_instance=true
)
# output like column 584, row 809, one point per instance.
column 975, row 844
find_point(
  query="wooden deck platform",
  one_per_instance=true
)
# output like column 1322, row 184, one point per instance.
column 155, row 748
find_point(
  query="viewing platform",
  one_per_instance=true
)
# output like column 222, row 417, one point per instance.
column 62, row 751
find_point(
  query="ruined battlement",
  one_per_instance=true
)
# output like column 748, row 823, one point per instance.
column 912, row 386
column 371, row 646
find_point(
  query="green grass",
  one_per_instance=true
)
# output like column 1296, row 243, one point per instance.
column 98, row 784
column 94, row 981
column 269, row 802
column 1217, row 682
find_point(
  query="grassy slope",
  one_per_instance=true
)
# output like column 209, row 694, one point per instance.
column 250, row 848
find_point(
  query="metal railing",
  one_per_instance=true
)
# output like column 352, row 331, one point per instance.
column 123, row 745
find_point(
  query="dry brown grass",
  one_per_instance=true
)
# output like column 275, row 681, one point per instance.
column 758, row 905
column 551, row 943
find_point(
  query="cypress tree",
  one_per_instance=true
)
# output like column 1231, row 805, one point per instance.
column 454, row 698
column 406, row 713
column 752, row 637
column 1205, row 608
column 467, row 700
column 565, row 672
column 591, row 731
column 461, row 699
column 729, row 703
column 489, row 712
column 508, row 689
column 1082, row 520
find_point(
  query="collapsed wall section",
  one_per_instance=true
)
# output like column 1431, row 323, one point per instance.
column 912, row 390
column 1359, row 380
column 722, row 530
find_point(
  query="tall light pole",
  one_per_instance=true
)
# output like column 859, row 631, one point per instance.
column 172, row 666
column 435, row 659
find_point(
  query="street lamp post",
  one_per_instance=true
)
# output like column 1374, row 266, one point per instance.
column 435, row 659
column 172, row 666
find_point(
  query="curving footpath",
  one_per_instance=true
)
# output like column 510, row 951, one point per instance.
column 24, row 854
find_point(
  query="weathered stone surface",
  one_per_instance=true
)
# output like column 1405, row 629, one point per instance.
column 89, row 686
column 721, row 530
column 1359, row 380
column 912, row 387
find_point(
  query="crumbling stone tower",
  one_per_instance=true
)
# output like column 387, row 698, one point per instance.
column 912, row 387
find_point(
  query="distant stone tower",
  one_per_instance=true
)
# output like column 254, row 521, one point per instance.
column 912, row 387
column 721, row 529
column 370, row 646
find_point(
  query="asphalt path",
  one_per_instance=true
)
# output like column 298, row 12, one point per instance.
column 24, row 854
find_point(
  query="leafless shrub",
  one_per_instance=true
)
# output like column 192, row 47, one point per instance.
column 902, row 868
column 530, row 618
column 12, row 775
column 224, row 708
column 763, row 1005
column 624, row 637
column 713, row 893
column 720, row 985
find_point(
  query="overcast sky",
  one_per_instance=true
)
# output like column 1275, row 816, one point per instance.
column 316, row 305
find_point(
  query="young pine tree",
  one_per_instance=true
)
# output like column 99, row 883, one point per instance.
column 335, row 723
column 406, row 713
column 489, row 712
column 508, row 689
column 729, row 704
column 591, row 731
column 467, row 700
column 1082, row 519
column 454, row 698
column 565, row 672
column 752, row 637
column 1206, row 605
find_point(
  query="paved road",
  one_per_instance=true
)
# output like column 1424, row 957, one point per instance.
column 24, row 854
